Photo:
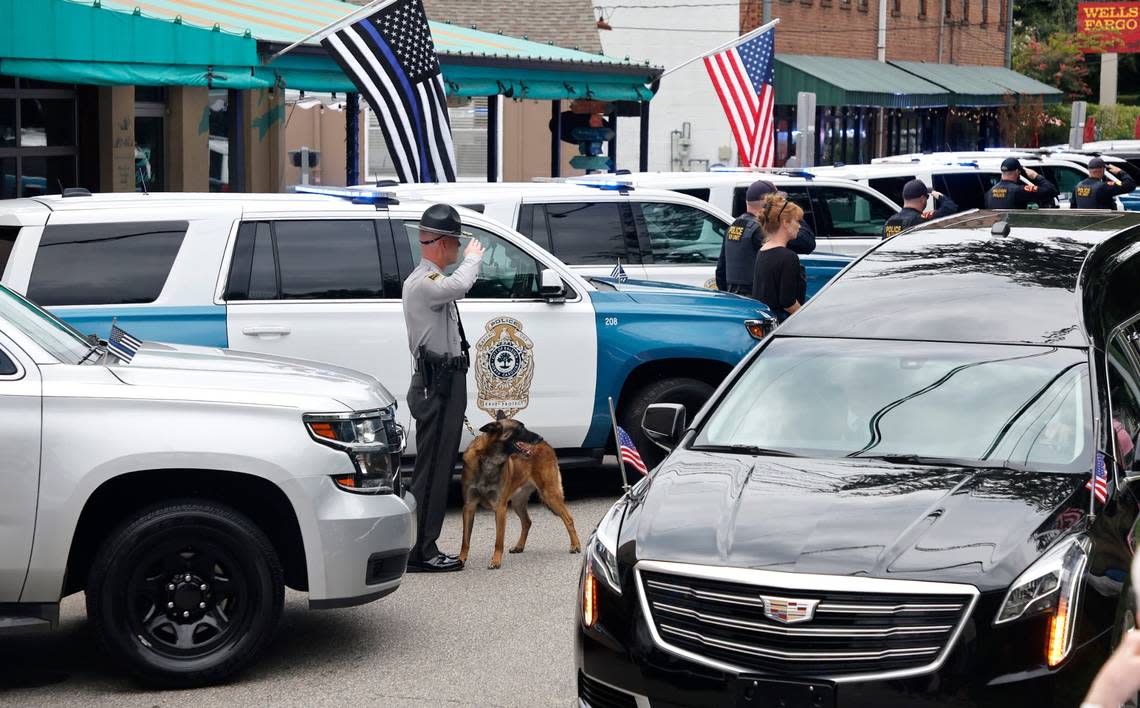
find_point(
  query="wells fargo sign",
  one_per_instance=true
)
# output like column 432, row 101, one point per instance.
column 1116, row 24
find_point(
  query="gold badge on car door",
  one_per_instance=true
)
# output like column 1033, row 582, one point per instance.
column 504, row 367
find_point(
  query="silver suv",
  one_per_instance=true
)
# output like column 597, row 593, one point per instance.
column 185, row 489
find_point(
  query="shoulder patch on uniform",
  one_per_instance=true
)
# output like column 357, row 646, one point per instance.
column 434, row 276
column 735, row 232
column 1031, row 188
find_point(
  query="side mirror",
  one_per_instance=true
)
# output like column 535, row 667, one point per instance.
column 551, row 287
column 664, row 424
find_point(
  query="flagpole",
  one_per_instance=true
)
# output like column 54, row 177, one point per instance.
column 735, row 40
column 617, row 443
column 107, row 350
column 334, row 27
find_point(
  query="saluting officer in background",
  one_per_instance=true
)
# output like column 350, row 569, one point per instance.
column 437, row 396
column 734, row 267
column 914, row 211
column 1010, row 193
column 1096, row 192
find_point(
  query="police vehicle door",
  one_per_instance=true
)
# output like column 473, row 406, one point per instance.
column 20, row 428
column 683, row 242
column 530, row 358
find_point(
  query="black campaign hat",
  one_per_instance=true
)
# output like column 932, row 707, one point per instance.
column 441, row 219
column 758, row 189
column 914, row 189
column 1010, row 164
column 1095, row 163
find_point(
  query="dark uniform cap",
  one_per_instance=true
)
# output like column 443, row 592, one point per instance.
column 1010, row 164
column 441, row 219
column 1095, row 163
column 914, row 189
column 758, row 189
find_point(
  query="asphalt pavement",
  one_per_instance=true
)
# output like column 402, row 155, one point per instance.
column 474, row 638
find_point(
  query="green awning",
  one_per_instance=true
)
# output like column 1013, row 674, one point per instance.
column 980, row 85
column 853, row 82
column 473, row 62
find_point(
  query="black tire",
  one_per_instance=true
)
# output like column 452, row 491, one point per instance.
column 168, row 554
column 691, row 393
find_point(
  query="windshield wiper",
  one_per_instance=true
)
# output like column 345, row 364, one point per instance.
column 745, row 449
column 95, row 346
column 911, row 459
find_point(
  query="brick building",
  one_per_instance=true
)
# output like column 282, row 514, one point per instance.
column 956, row 47
column 973, row 32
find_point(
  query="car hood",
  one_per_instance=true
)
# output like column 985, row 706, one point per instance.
column 205, row 368
column 981, row 527
column 652, row 292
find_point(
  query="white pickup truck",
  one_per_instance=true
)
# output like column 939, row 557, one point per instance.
column 184, row 490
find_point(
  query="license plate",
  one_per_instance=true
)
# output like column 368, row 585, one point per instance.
column 770, row 693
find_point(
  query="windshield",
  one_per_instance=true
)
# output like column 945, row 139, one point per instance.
column 990, row 404
column 54, row 336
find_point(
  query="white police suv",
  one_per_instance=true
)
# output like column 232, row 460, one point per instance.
column 659, row 234
column 319, row 278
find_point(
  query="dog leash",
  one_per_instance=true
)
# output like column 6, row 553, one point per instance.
column 470, row 428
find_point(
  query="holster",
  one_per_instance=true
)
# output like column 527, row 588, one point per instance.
column 435, row 368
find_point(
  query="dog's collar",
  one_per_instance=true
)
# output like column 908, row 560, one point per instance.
column 529, row 449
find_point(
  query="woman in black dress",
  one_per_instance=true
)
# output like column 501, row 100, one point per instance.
column 778, row 281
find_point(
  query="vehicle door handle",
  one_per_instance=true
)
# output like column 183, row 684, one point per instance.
column 266, row 331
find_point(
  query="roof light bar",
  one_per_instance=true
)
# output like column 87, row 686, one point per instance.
column 354, row 195
column 613, row 185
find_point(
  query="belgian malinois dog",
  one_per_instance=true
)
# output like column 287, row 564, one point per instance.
column 504, row 466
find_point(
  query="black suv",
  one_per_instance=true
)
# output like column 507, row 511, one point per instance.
column 917, row 491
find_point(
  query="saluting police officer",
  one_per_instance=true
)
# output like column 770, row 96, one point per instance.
column 1096, row 192
column 734, row 267
column 914, row 211
column 437, row 396
column 1010, row 193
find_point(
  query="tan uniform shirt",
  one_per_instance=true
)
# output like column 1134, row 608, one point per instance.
column 429, row 309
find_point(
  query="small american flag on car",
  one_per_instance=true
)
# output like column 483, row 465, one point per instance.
column 628, row 452
column 1099, row 483
column 122, row 344
column 619, row 273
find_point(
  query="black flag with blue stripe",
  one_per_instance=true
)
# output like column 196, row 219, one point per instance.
column 390, row 57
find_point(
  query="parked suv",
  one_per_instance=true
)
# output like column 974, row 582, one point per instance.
column 919, row 491
column 184, row 490
column 658, row 234
column 846, row 217
column 320, row 278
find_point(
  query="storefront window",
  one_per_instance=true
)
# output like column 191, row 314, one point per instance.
column 38, row 153
column 7, row 122
column 47, row 175
column 219, row 141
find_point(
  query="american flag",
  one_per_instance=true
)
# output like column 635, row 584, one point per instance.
column 628, row 452
column 743, row 75
column 122, row 344
column 1100, row 489
column 619, row 273
column 391, row 58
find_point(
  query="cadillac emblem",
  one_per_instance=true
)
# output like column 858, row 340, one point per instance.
column 787, row 610
column 504, row 367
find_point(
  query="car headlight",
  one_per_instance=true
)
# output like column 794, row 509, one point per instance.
column 371, row 439
column 602, row 549
column 1050, row 586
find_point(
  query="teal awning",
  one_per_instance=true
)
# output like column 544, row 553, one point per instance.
column 981, row 85
column 224, row 44
column 853, row 82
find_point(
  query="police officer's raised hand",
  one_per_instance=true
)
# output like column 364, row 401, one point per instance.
column 936, row 194
column 1030, row 173
column 474, row 249
column 1114, row 169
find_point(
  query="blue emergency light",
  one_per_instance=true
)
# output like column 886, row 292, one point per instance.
column 356, row 196
column 603, row 184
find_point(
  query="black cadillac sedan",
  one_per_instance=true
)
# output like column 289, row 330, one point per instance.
column 919, row 491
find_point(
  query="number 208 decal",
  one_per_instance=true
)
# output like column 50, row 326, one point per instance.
column 611, row 321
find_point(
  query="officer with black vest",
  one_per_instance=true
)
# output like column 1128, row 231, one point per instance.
column 914, row 211
column 1010, row 193
column 437, row 395
column 1096, row 192
column 734, row 267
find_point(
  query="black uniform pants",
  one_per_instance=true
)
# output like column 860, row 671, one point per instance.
column 439, row 425
column 740, row 289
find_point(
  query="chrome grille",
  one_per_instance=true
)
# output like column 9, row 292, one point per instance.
column 861, row 627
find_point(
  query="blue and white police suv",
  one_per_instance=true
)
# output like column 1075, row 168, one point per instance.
column 319, row 278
